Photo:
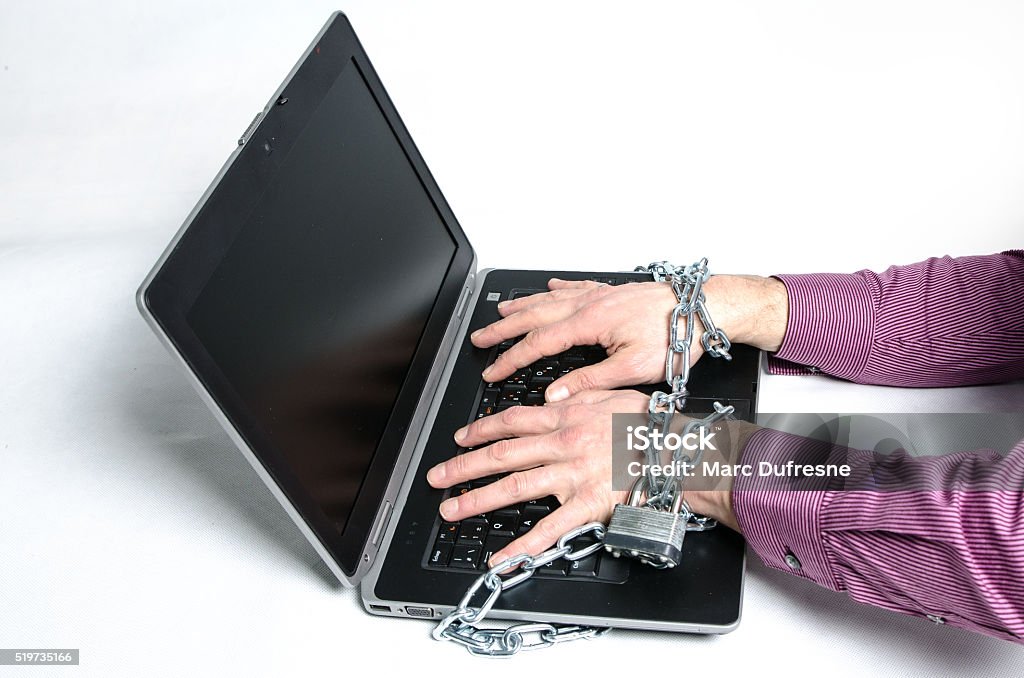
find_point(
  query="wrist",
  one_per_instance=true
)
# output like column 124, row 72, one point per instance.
column 751, row 309
column 712, row 495
column 715, row 504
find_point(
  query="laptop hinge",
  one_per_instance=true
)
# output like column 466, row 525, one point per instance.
column 382, row 523
column 408, row 459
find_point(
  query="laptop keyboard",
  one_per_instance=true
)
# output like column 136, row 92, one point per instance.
column 469, row 544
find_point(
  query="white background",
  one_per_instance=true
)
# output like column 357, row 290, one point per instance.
column 769, row 136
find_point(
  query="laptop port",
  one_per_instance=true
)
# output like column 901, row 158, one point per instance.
column 419, row 611
column 380, row 608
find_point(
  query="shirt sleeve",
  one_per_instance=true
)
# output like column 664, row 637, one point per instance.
column 939, row 322
column 952, row 556
column 950, row 550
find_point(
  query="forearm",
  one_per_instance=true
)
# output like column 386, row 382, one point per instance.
column 940, row 322
column 952, row 554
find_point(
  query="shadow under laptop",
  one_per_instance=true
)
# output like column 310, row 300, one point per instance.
column 200, row 458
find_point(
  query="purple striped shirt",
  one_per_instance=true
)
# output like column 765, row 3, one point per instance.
column 954, row 557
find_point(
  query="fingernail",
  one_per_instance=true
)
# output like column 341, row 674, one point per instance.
column 487, row 371
column 556, row 394
column 436, row 474
column 460, row 434
column 502, row 304
column 475, row 334
column 449, row 507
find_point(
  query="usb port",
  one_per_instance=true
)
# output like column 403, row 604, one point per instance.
column 380, row 608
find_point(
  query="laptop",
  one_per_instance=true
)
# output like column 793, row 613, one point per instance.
column 320, row 297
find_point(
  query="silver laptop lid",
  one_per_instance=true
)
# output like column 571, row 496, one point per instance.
column 311, row 294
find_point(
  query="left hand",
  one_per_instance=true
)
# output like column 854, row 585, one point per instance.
column 562, row 449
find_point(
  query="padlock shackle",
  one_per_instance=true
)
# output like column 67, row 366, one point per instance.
column 636, row 494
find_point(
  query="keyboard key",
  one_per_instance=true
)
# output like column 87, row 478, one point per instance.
column 490, row 397
column 551, row 502
column 465, row 557
column 440, row 553
column 585, row 567
column 531, row 516
column 540, row 380
column 448, row 532
column 519, row 378
column 554, row 567
column 543, row 505
column 492, row 546
column 504, row 523
column 512, row 394
column 472, row 531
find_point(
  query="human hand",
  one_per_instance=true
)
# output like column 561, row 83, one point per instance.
column 562, row 449
column 631, row 322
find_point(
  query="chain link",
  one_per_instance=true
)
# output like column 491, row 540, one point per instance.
column 459, row 625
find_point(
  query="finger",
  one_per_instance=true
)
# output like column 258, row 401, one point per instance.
column 514, row 422
column 546, row 532
column 559, row 284
column 586, row 398
column 540, row 343
column 513, row 454
column 614, row 371
column 511, row 306
column 518, row 324
column 518, row 487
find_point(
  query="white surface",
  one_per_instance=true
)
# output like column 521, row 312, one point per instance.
column 813, row 136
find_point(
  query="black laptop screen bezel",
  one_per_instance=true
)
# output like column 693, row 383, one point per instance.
column 207, row 236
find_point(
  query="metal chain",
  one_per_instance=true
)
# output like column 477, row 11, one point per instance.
column 688, row 285
column 458, row 625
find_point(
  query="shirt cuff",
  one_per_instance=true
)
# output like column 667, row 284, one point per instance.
column 831, row 320
column 783, row 525
column 777, row 365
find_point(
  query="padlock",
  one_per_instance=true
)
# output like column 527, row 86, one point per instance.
column 651, row 535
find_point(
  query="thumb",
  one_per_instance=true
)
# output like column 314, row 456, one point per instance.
column 611, row 372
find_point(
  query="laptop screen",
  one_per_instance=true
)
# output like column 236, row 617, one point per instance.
column 316, row 307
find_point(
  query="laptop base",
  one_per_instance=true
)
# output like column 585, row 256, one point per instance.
column 702, row 595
